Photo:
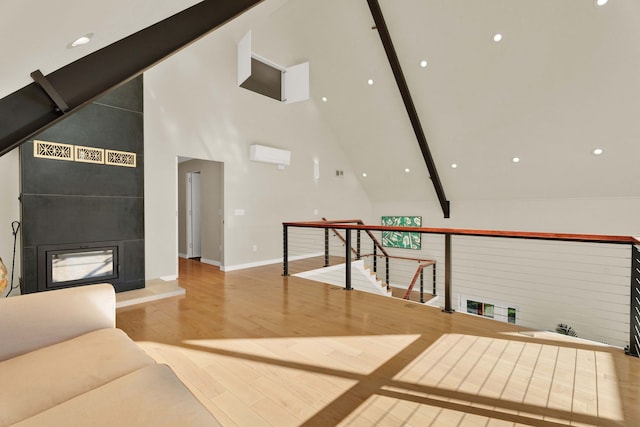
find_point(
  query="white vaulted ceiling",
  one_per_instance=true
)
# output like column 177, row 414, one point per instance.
column 563, row 81
column 36, row 34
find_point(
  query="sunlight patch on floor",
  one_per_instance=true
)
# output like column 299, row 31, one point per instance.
column 348, row 353
column 265, row 379
column 457, row 380
column 389, row 411
column 533, row 380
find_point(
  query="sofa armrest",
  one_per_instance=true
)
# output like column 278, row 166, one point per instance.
column 32, row 321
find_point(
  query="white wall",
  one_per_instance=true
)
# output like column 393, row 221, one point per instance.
column 617, row 216
column 10, row 211
column 193, row 108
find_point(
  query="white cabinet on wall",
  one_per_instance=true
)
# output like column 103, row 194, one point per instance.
column 258, row 74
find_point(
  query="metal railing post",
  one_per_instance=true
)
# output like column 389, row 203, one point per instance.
column 285, row 256
column 447, row 274
column 375, row 258
column 422, row 285
column 347, row 265
column 434, row 280
column 358, row 244
column 386, row 260
column 326, row 247
column 634, row 326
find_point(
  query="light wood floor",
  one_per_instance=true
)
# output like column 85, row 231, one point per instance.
column 259, row 349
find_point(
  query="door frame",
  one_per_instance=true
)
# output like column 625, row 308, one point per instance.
column 194, row 210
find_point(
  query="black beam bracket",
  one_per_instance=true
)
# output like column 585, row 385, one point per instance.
column 385, row 37
column 42, row 81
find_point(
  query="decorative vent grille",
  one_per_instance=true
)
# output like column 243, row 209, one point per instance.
column 89, row 154
column 52, row 150
column 120, row 158
column 79, row 153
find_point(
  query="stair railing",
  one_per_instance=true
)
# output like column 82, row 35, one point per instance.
column 419, row 273
column 339, row 236
column 378, row 246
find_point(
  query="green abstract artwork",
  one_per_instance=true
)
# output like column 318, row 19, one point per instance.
column 402, row 239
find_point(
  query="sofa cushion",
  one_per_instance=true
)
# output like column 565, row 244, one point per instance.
column 151, row 396
column 45, row 318
column 41, row 379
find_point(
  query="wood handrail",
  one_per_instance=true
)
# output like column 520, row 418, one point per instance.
column 342, row 221
column 359, row 222
column 399, row 257
column 341, row 237
column 415, row 278
column 375, row 241
column 594, row 238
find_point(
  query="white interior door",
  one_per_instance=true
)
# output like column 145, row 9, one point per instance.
column 194, row 215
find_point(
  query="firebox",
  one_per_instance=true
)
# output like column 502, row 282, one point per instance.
column 61, row 266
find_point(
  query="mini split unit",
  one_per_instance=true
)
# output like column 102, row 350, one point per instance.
column 260, row 153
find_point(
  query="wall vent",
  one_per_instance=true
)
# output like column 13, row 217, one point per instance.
column 89, row 154
column 52, row 150
column 120, row 158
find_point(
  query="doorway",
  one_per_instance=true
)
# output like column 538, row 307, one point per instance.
column 200, row 197
column 194, row 215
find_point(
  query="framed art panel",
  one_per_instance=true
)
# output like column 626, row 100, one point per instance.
column 402, row 239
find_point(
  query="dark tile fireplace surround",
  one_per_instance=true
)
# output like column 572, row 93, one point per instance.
column 82, row 222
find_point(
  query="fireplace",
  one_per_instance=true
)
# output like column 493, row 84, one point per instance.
column 83, row 221
column 61, row 266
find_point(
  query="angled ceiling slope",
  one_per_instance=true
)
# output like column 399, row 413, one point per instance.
column 394, row 62
column 41, row 104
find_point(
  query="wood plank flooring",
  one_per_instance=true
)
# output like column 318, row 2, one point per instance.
column 262, row 350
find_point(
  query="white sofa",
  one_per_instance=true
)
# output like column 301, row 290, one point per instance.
column 64, row 363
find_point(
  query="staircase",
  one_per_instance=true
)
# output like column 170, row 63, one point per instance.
column 362, row 279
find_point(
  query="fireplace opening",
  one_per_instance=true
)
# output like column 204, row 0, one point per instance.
column 84, row 265
column 78, row 264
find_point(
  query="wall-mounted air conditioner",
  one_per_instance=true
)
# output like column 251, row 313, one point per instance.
column 260, row 153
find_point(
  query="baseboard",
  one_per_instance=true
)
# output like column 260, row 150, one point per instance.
column 267, row 262
column 210, row 262
column 250, row 265
column 169, row 278
column 180, row 255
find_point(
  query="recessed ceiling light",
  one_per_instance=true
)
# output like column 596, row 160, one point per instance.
column 407, row 170
column 364, row 175
column 423, row 64
column 454, row 165
column 601, row 2
column 597, row 151
column 370, row 82
column 82, row 40
column 516, row 160
column 324, row 99
column 497, row 37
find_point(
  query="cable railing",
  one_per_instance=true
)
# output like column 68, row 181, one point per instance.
column 371, row 249
column 588, row 285
column 634, row 340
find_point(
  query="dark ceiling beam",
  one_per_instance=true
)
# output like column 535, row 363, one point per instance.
column 383, row 31
column 35, row 107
